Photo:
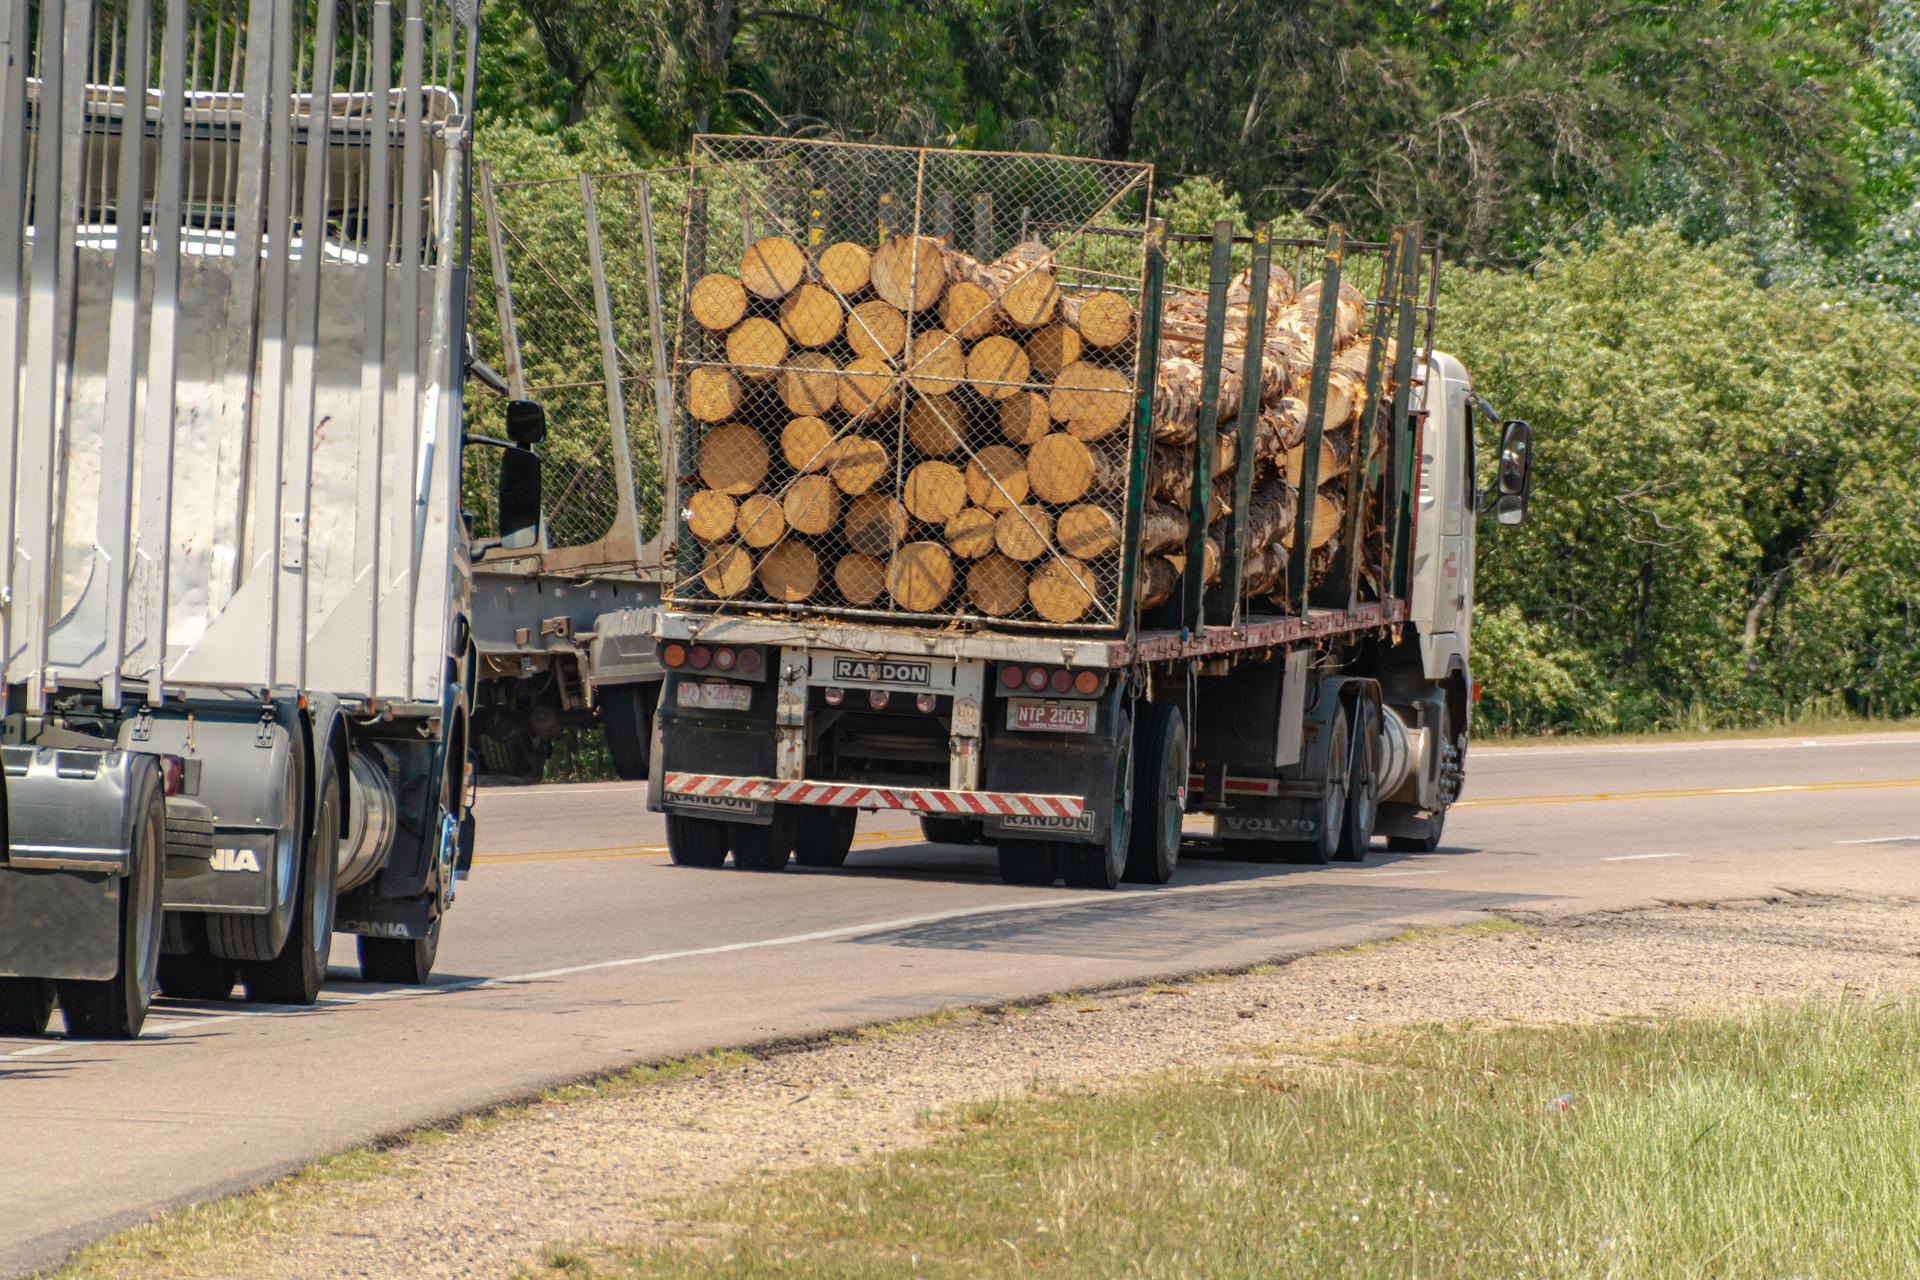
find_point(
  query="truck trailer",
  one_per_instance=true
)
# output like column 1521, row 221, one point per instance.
column 239, row 661
column 1309, row 692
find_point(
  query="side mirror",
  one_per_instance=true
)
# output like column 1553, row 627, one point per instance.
column 519, row 495
column 1513, row 481
column 526, row 422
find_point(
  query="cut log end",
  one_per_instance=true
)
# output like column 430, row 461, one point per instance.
column 860, row 578
column 997, row 367
column 856, row 463
column 997, row 478
column 1105, row 319
column 756, row 346
column 936, row 426
column 733, row 459
column 969, row 533
column 771, row 267
column 996, row 586
column 760, row 521
column 1024, row 417
column 789, row 572
column 713, row 393
column 726, row 570
column 876, row 328
column 920, row 576
column 811, row 504
column 717, row 302
column 710, row 515
column 910, row 272
column 935, row 492
column 811, row 315
column 874, row 524
column 1063, row 590
column 803, row 443
column 809, row 383
column 1086, row 532
column 845, row 267
column 1024, row 532
column 1059, row 468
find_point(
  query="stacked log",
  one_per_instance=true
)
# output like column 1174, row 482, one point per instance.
column 905, row 426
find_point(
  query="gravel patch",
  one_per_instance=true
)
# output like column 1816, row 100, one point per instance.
column 487, row 1198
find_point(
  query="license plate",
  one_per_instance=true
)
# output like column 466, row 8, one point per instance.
column 1051, row 717
column 717, row 697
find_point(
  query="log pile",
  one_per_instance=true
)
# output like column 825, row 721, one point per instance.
column 906, row 427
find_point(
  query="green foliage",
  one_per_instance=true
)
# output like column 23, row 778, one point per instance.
column 1724, row 482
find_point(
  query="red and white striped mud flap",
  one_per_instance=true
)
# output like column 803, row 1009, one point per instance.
column 849, row 795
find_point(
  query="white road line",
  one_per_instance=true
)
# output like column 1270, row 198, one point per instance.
column 1880, row 840
column 1641, row 857
column 1136, row 897
column 1389, row 871
column 1547, row 751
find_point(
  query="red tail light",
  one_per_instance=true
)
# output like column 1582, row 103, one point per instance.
column 1037, row 679
column 723, row 659
column 750, row 661
column 673, row 655
column 1062, row 680
column 1087, row 682
column 699, row 657
column 1011, row 677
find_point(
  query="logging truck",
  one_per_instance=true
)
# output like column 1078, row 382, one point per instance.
column 238, row 663
column 985, row 519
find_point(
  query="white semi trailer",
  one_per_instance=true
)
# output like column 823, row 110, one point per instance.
column 238, row 661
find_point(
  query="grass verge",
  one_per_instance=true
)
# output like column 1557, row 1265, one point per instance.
column 1782, row 1143
column 1806, row 726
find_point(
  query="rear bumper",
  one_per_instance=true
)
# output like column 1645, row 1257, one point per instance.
column 701, row 790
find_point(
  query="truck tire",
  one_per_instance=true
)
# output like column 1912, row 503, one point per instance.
column 1103, row 865
column 188, row 968
column 1028, row 862
column 401, row 962
column 1363, row 799
column 824, row 836
column 1159, row 793
column 765, row 848
column 936, row 830
column 25, row 1006
column 626, row 713
column 296, row 975
column 696, row 842
column 507, row 750
column 115, row 1008
column 1333, row 804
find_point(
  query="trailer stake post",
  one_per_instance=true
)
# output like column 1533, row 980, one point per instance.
column 1147, row 371
column 1223, row 602
column 1193, row 579
column 1362, row 466
column 1316, row 426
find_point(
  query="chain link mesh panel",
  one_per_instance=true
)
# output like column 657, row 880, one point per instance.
column 907, row 381
column 555, row 352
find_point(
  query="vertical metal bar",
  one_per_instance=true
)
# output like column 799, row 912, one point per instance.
column 1193, row 581
column 502, row 285
column 816, row 222
column 233, row 491
column 1403, row 455
column 406, row 515
column 1316, row 426
column 369, row 474
column 124, row 348
column 439, row 403
column 1146, row 375
column 17, row 32
column 262, row 548
column 983, row 225
column 55, row 193
column 883, row 218
column 746, row 220
column 1026, row 216
column 662, row 376
column 294, row 545
column 155, row 540
column 1223, row 605
column 610, row 369
column 943, row 215
column 1345, row 574
column 693, row 349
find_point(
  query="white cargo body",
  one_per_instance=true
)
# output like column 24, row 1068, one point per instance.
column 233, row 447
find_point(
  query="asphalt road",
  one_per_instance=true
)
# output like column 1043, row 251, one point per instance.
column 576, row 947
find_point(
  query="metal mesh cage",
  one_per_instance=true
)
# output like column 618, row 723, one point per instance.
column 908, row 381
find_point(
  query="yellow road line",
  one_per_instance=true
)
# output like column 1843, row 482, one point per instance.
column 646, row 850
column 1687, row 793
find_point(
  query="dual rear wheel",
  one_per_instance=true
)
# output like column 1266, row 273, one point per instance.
column 813, row 836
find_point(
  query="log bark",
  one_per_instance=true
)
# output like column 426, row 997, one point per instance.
column 790, row 572
column 717, row 302
column 1059, row 469
column 1158, row 577
column 771, row 267
column 919, row 576
column 935, row 492
column 733, row 459
column 1163, row 529
column 1021, row 281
